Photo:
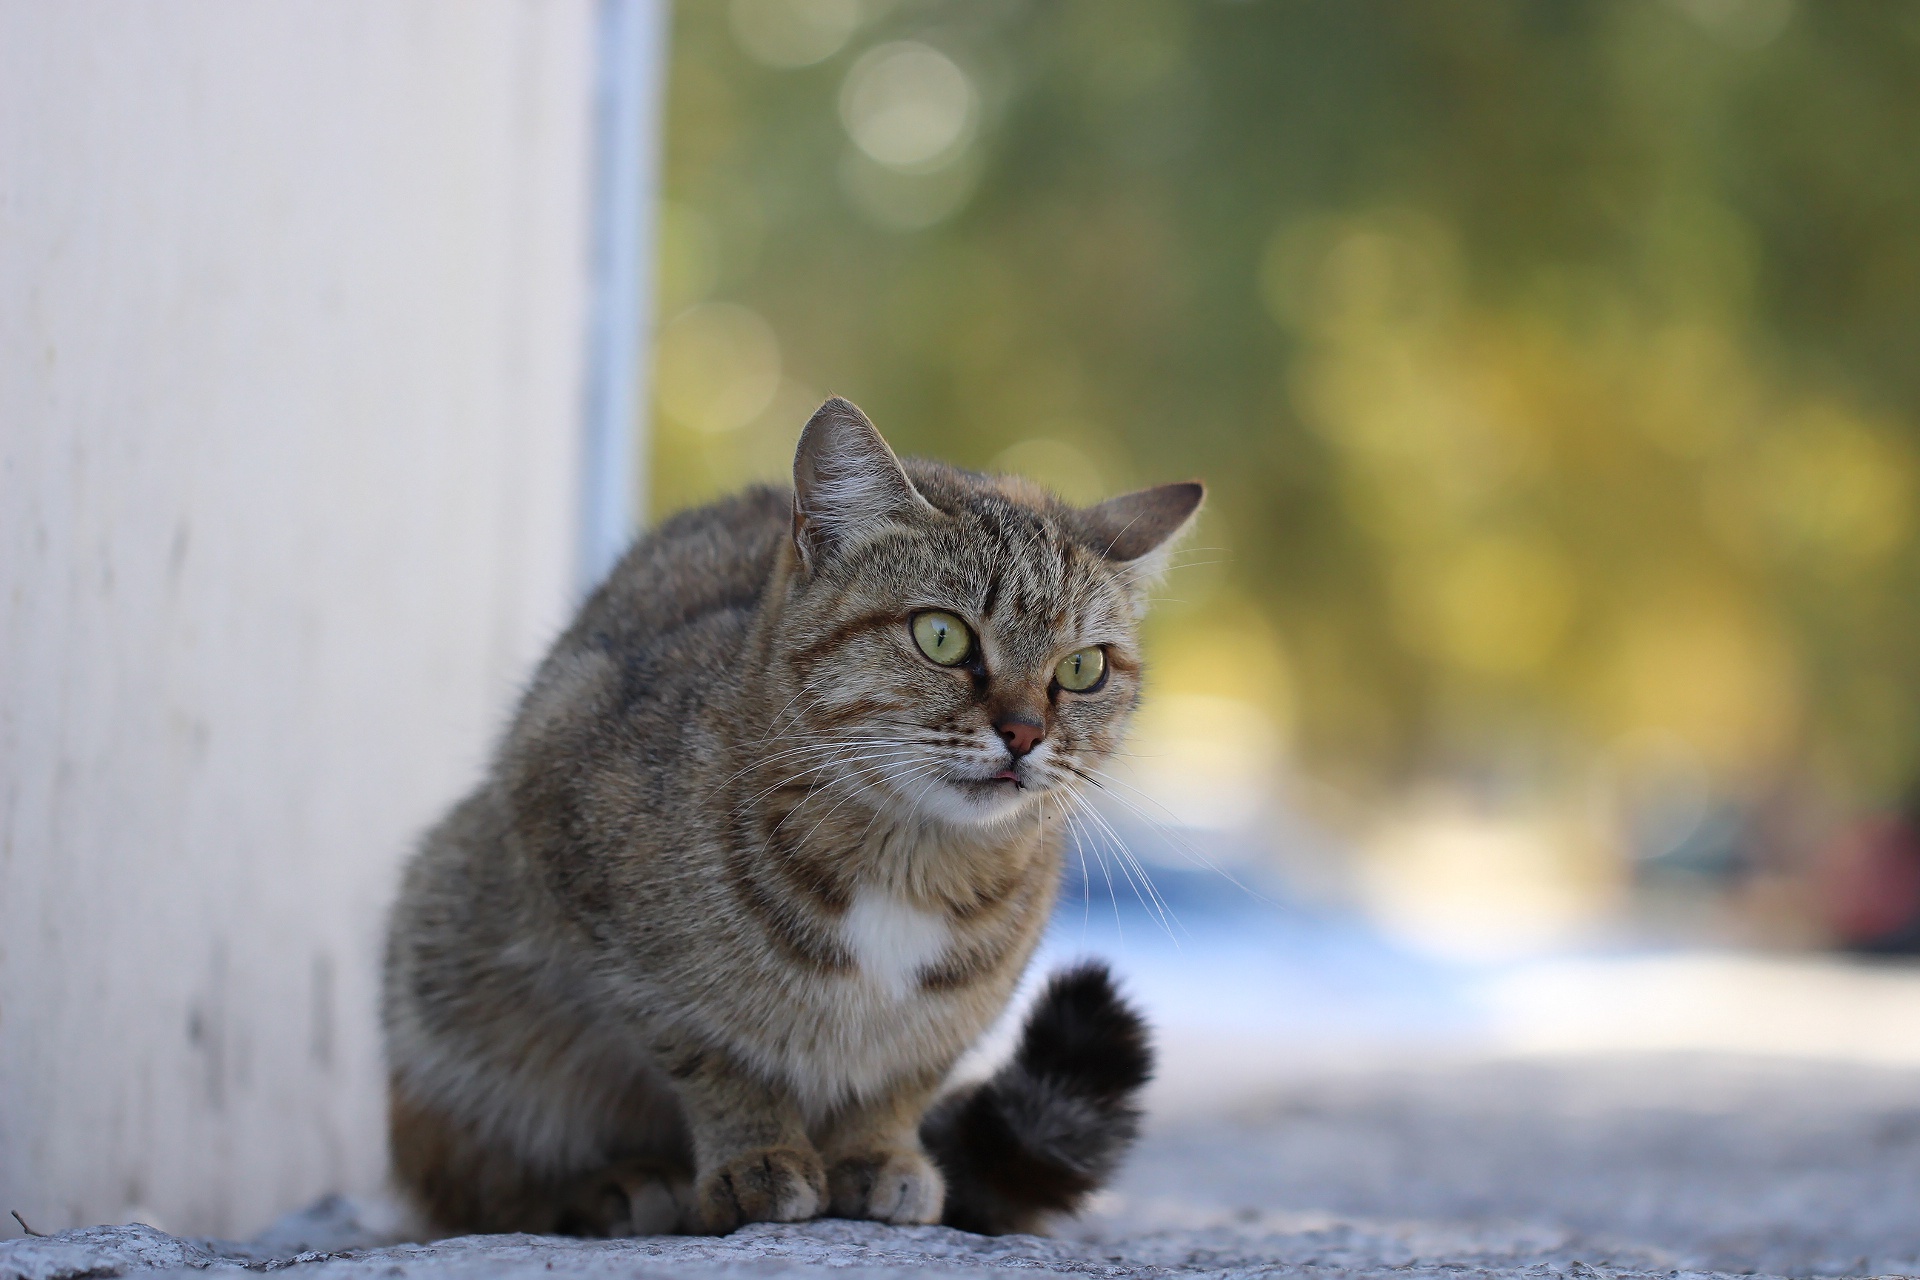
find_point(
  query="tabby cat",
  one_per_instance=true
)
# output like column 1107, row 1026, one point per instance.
column 766, row 847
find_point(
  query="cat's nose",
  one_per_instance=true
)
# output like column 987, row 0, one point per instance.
column 1020, row 734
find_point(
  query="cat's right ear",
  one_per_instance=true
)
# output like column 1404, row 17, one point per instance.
column 847, row 485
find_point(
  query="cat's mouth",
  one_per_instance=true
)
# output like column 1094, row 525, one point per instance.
column 973, row 798
column 1003, row 783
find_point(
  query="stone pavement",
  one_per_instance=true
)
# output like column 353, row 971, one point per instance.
column 1637, row 1165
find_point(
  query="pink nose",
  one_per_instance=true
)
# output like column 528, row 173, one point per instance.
column 1021, row 736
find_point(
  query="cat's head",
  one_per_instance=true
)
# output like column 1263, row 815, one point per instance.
column 959, row 644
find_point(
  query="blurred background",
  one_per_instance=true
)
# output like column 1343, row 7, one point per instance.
column 1551, row 368
column 1544, row 665
column 1541, row 678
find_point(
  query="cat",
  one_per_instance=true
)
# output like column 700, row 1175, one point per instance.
column 766, row 847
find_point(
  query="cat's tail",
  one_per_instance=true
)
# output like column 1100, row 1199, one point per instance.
column 1050, row 1127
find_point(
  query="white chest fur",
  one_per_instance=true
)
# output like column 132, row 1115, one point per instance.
column 892, row 941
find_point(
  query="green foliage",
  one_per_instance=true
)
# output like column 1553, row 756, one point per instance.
column 1555, row 368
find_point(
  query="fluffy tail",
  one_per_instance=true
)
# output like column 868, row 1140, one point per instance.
column 1051, row 1126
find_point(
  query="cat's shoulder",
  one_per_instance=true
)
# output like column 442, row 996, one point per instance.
column 706, row 560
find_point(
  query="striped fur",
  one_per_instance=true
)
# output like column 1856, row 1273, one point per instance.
column 740, row 885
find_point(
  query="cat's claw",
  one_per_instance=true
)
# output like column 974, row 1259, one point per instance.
column 901, row 1187
column 773, row 1184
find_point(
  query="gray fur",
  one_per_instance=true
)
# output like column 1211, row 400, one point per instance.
column 739, row 887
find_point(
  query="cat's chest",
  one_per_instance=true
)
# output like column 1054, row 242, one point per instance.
column 878, row 1018
column 893, row 941
column 875, row 1021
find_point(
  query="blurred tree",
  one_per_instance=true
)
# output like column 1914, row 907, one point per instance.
column 1553, row 366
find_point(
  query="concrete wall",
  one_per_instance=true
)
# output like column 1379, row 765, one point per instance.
column 292, row 311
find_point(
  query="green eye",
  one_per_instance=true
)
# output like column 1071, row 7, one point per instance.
column 1082, row 669
column 942, row 637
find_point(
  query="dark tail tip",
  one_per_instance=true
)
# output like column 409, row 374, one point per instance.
column 1051, row 1126
column 1080, row 1030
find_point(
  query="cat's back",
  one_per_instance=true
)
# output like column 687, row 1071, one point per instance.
column 628, row 701
column 702, row 571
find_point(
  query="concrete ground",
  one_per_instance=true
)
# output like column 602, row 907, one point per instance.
column 1673, row 1162
column 1587, row 1165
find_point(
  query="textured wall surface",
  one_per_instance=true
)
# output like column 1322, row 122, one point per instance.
column 292, row 301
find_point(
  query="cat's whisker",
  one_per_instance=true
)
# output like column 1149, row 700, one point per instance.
column 846, row 768
column 933, row 779
column 1080, row 851
column 788, row 780
column 924, row 737
column 807, row 749
column 840, row 761
column 806, row 687
column 1080, row 843
column 1154, row 901
column 1148, row 893
column 1107, row 782
column 1099, row 779
column 872, row 818
column 1086, row 898
column 816, row 704
column 856, row 766
column 842, row 804
column 814, row 743
column 1189, row 556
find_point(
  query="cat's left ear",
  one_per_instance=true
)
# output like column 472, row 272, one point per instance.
column 1139, row 529
column 847, row 485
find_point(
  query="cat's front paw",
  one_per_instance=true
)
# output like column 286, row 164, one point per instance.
column 899, row 1186
column 772, row 1184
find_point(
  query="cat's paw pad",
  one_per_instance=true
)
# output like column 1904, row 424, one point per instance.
column 773, row 1184
column 888, row 1186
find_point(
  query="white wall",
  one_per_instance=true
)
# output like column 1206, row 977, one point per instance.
column 292, row 302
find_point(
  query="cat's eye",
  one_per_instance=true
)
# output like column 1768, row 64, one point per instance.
column 1082, row 669
column 942, row 637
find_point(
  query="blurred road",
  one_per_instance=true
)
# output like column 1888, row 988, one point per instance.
column 1245, row 982
column 1647, row 1162
column 1661, row 1110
